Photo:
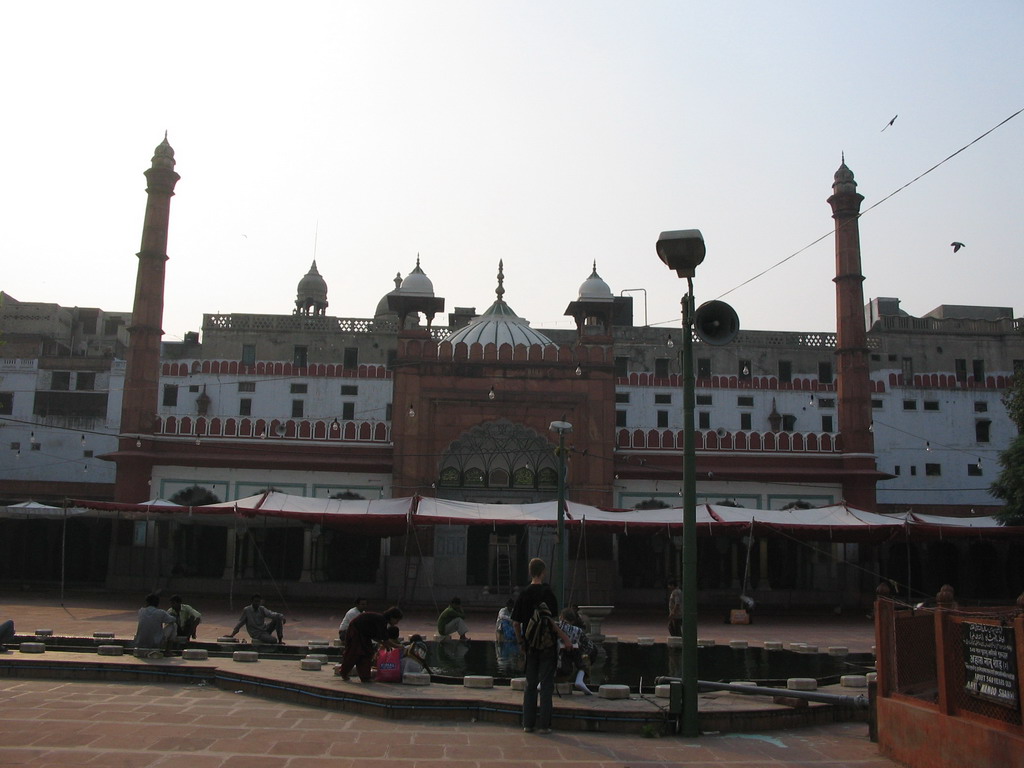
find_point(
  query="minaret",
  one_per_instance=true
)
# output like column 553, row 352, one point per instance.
column 142, row 372
column 854, row 383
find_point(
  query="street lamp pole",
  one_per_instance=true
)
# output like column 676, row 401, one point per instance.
column 562, row 428
column 688, row 564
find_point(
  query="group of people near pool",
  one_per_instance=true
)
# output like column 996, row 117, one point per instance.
column 548, row 641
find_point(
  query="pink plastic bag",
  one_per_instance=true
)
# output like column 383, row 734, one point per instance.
column 389, row 665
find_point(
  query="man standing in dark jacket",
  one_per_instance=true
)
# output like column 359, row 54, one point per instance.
column 540, row 662
column 364, row 631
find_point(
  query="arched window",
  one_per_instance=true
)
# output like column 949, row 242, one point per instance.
column 473, row 477
column 523, row 478
column 498, row 478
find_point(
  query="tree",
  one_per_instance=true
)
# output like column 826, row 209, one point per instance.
column 194, row 496
column 1009, row 485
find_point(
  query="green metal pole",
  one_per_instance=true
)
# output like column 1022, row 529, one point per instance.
column 689, row 553
column 560, row 583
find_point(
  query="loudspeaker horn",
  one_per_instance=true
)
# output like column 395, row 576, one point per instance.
column 716, row 323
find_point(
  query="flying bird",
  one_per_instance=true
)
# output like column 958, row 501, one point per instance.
column 956, row 246
column 889, row 124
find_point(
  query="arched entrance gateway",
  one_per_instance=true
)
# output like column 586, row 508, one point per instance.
column 495, row 462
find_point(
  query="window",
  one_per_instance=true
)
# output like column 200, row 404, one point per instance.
column 980, row 406
column 245, row 406
column 744, row 369
column 665, row 399
column 744, row 421
column 825, row 372
column 785, row 371
column 110, row 326
column 896, row 470
column 931, row 405
column 349, row 389
column 876, row 404
column 348, row 411
column 960, row 368
column 170, row 395
column 933, row 470
column 974, row 470
column 826, row 402
column 248, row 354
column 703, row 399
column 85, row 381
column 788, row 422
column 6, row 403
column 299, row 389
column 300, row 356
column 661, row 368
column 907, row 366
column 60, row 380
column 88, row 455
column 620, row 418
column 745, row 402
column 703, row 368
column 622, row 397
column 982, row 430
column 387, row 412
column 662, row 419
column 36, row 447
column 826, row 423
column 351, row 359
column 193, row 387
column 913, row 471
column 876, row 358
column 703, row 420
column 621, row 367
column 15, row 446
column 247, row 386
column 910, row 405
column 978, row 371
column 298, row 407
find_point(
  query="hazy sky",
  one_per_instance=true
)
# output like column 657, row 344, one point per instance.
column 549, row 134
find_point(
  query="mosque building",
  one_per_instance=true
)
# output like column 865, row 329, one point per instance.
column 887, row 413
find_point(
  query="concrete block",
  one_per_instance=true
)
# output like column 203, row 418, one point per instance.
column 103, row 635
column 227, row 639
column 421, row 678
column 110, row 650
column 478, row 681
column 662, row 691
column 802, row 684
column 44, row 633
column 310, row 665
column 517, row 683
column 872, row 677
column 336, row 642
column 321, row 657
column 809, row 648
column 703, row 642
column 738, row 644
column 838, row 650
column 195, row 654
column 796, row 647
column 853, row 681
column 32, row 647
column 645, row 641
column 674, row 642
column 613, row 692
column 247, row 656
column 772, row 645
column 741, row 682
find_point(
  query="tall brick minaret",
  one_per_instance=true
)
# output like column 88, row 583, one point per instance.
column 854, row 383
column 142, row 373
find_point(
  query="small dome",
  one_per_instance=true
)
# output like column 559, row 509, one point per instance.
column 313, row 286
column 594, row 288
column 382, row 305
column 416, row 283
column 843, row 182
column 499, row 325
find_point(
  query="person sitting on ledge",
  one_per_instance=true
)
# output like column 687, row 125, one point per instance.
column 452, row 620
column 261, row 623
column 6, row 634
column 155, row 630
column 188, row 619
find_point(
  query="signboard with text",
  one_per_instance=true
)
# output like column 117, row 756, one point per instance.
column 990, row 661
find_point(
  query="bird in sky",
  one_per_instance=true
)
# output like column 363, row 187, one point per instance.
column 956, row 246
column 889, row 124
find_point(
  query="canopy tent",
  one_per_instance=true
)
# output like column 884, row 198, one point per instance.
column 384, row 517
column 33, row 510
column 934, row 526
column 837, row 522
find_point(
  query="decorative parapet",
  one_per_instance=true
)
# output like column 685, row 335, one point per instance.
column 975, row 327
column 292, row 323
column 19, row 364
column 948, row 381
column 429, row 349
column 752, row 442
column 235, row 368
column 309, row 430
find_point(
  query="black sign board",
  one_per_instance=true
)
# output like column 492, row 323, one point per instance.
column 990, row 659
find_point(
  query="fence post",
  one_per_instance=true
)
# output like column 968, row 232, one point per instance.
column 884, row 650
column 944, row 645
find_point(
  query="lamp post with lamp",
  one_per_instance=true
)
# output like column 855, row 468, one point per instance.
column 715, row 323
column 562, row 428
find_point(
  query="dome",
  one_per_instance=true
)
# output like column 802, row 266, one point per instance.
column 313, row 286
column 499, row 325
column 843, row 182
column 382, row 305
column 594, row 288
column 416, row 283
